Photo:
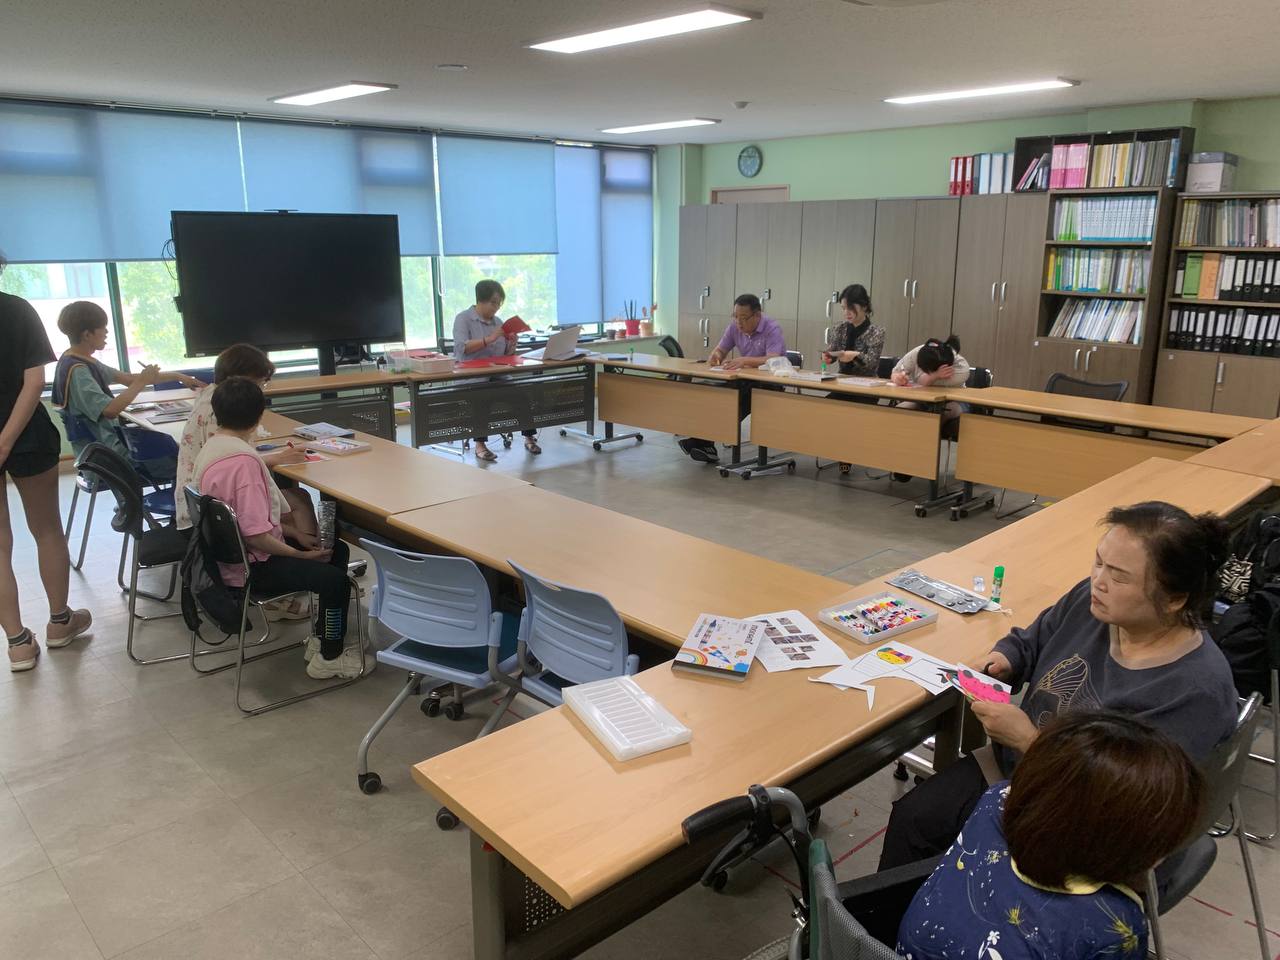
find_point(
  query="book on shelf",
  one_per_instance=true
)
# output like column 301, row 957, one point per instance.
column 1230, row 223
column 980, row 173
column 1117, row 219
column 1235, row 277
column 1087, row 270
column 1140, row 163
column 1102, row 321
column 1243, row 330
column 1036, row 176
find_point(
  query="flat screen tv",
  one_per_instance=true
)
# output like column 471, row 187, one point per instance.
column 287, row 280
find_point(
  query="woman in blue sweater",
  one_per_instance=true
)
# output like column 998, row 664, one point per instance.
column 1047, row 863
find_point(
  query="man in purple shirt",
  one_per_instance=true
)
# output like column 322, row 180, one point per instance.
column 756, row 338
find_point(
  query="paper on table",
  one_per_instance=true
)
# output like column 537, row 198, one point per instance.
column 869, row 690
column 793, row 642
column 892, row 660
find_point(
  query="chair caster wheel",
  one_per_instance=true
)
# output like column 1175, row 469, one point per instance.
column 370, row 783
column 564, row 433
column 719, row 881
column 453, row 710
column 900, row 772
column 506, row 443
column 639, row 438
column 597, row 446
column 814, row 817
column 723, row 472
column 431, row 706
column 445, row 819
column 791, row 467
column 746, row 474
column 918, row 779
column 921, row 512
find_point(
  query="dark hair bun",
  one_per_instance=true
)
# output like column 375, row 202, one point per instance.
column 1216, row 533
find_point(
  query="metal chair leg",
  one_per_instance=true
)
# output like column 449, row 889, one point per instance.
column 134, row 616
column 1242, row 836
column 1272, row 762
column 71, row 511
column 499, row 712
column 88, row 520
column 363, row 779
column 1026, row 506
column 1151, row 904
column 173, row 578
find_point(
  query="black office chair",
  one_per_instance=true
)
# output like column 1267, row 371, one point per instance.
column 795, row 358
column 884, row 369
column 979, row 379
column 155, row 544
column 671, row 345
column 1068, row 386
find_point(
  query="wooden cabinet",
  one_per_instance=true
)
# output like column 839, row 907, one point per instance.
column 1218, row 383
column 1184, row 379
column 1107, row 363
column 914, row 268
column 782, row 272
column 1050, row 356
column 751, row 261
column 1018, row 297
column 721, row 257
column 837, row 242
column 708, row 260
column 692, row 334
column 693, row 258
column 979, row 262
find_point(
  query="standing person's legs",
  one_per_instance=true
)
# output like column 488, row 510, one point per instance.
column 926, row 821
column 23, row 649
column 39, row 495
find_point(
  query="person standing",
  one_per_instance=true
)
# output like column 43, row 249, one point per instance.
column 29, row 450
column 478, row 333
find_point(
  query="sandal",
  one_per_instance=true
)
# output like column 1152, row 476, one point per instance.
column 531, row 445
column 485, row 454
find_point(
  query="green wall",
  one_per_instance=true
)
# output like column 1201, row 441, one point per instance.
column 913, row 161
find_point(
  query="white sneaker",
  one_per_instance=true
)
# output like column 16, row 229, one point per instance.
column 346, row 666
column 310, row 648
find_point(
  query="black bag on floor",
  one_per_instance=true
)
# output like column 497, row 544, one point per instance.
column 1249, row 636
column 1254, row 560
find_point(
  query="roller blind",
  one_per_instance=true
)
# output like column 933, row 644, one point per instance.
column 496, row 196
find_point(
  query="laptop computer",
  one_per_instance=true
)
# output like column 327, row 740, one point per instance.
column 562, row 345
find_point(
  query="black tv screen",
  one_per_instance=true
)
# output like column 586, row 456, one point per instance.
column 287, row 280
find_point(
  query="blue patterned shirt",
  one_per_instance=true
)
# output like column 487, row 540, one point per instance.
column 977, row 906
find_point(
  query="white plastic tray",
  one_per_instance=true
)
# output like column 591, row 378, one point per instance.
column 624, row 718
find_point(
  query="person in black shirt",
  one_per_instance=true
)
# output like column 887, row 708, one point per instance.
column 29, row 450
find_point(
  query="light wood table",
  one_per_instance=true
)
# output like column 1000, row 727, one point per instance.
column 1057, row 460
column 1256, row 452
column 602, row 838
column 670, row 394
column 658, row 579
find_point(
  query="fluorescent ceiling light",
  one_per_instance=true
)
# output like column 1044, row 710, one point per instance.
column 986, row 91
column 664, row 125
column 711, row 15
column 347, row 90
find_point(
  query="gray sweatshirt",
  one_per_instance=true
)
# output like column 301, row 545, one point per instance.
column 1065, row 660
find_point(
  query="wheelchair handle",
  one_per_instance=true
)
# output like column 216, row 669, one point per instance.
column 716, row 816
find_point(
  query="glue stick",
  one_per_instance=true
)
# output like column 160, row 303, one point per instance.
column 997, row 584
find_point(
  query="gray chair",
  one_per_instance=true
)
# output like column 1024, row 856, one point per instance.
column 671, row 346
column 1222, row 772
column 1061, row 383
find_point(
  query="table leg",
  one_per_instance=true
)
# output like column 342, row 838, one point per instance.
column 488, row 923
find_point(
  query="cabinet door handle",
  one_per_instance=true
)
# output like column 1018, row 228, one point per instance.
column 905, row 283
column 1087, row 355
column 915, row 289
column 767, row 295
column 994, row 284
column 1075, row 363
column 702, row 298
column 1004, row 289
column 826, row 336
column 1222, row 369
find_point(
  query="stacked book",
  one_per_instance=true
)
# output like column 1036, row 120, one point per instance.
column 1215, row 330
column 980, row 173
column 1227, row 276
column 1143, row 163
column 1104, row 321
column 1036, row 176
column 1118, row 219
column 1068, row 166
column 1230, row 223
column 1098, row 271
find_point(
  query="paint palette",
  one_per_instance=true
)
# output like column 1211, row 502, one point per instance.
column 940, row 592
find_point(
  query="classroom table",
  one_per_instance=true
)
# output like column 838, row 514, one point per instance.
column 1256, row 452
column 362, row 400
column 564, row 868
column 480, row 401
column 671, row 394
column 658, row 579
column 1059, row 459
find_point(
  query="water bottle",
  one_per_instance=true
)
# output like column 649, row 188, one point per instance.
column 327, row 515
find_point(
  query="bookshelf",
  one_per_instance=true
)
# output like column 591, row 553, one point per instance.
column 1220, row 342
column 1028, row 149
column 1101, row 298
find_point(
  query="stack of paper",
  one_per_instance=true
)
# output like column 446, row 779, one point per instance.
column 891, row 660
column 793, row 642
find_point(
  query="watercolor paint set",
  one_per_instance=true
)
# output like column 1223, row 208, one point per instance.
column 876, row 618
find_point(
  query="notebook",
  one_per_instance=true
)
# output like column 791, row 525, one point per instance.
column 719, row 647
column 322, row 431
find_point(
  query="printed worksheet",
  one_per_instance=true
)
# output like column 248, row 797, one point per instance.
column 793, row 642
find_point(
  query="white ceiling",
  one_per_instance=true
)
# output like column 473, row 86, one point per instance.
column 810, row 66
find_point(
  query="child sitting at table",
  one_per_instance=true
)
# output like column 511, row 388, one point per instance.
column 230, row 469
column 1047, row 862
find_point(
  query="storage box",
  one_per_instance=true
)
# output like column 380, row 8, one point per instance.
column 1211, row 172
column 430, row 363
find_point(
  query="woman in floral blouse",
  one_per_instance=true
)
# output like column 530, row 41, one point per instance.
column 855, row 344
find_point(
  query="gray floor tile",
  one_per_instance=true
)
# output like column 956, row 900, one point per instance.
column 151, row 884
column 400, row 890
column 90, row 811
column 40, row 922
column 20, row 852
column 287, row 921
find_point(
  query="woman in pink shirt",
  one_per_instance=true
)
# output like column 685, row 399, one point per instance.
column 230, row 469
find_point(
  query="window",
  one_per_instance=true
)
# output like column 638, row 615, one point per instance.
column 51, row 286
column 152, row 324
column 528, row 279
column 419, row 302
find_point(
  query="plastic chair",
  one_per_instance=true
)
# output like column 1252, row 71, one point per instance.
column 671, row 345
column 154, row 544
column 440, row 609
column 573, row 636
column 79, row 436
column 155, row 457
column 1222, row 772
column 221, row 532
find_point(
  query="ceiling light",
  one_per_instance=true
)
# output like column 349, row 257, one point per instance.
column 986, row 91
column 355, row 88
column 452, row 67
column 664, row 125
column 710, row 15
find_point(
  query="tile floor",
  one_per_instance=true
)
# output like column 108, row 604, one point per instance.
column 142, row 817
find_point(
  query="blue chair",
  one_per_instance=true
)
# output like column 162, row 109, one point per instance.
column 441, row 610
column 573, row 637
column 79, row 436
column 155, row 457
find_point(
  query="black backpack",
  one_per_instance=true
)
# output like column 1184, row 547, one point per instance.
column 1249, row 636
column 202, row 586
column 1254, row 560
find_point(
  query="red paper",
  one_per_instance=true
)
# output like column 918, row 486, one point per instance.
column 512, row 360
column 515, row 325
